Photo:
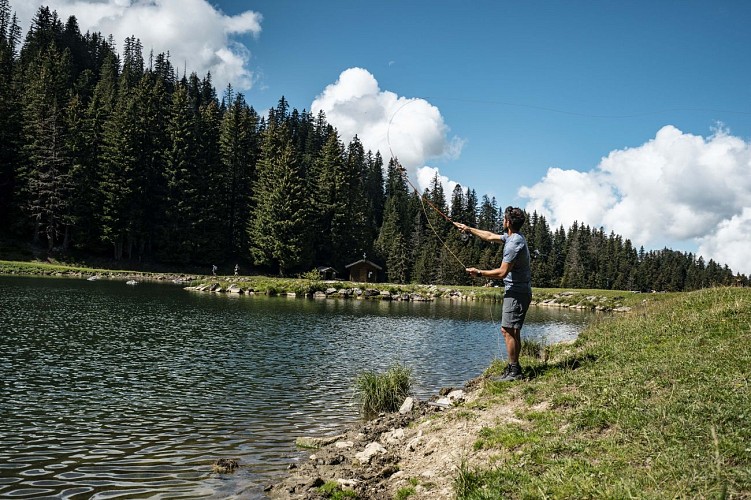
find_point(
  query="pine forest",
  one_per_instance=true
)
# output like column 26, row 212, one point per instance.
column 117, row 155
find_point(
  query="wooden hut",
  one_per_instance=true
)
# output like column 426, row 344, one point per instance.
column 326, row 272
column 364, row 271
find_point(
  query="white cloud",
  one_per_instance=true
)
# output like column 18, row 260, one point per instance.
column 197, row 36
column 411, row 129
column 730, row 243
column 425, row 176
column 675, row 188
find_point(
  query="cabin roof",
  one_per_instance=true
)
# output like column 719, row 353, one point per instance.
column 364, row 261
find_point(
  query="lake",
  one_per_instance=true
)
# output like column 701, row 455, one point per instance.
column 109, row 390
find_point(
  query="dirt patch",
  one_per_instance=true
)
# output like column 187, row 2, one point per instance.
column 420, row 449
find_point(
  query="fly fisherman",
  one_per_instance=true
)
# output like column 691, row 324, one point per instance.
column 516, row 274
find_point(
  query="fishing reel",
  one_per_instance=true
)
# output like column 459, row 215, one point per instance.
column 466, row 236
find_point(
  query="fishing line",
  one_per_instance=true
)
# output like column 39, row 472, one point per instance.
column 423, row 200
column 405, row 176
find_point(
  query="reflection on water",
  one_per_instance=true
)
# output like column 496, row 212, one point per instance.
column 113, row 390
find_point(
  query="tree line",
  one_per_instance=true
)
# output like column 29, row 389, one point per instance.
column 117, row 154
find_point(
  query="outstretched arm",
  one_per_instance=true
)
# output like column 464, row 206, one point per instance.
column 480, row 233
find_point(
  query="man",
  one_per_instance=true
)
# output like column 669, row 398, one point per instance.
column 516, row 274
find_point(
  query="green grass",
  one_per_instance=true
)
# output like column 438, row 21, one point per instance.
column 382, row 392
column 331, row 489
column 405, row 492
column 653, row 404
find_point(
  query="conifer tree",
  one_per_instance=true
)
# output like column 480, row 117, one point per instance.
column 430, row 263
column 278, row 230
column 181, row 181
column 395, row 232
column 374, row 195
column 46, row 173
column 208, row 222
column 328, row 191
column 10, row 129
column 238, row 146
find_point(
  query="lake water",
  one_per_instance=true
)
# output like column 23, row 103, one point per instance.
column 109, row 390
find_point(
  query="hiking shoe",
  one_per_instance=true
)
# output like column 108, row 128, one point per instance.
column 512, row 374
column 506, row 373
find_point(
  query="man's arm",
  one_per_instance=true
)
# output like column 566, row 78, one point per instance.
column 480, row 233
column 499, row 273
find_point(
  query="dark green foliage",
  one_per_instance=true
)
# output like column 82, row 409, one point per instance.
column 10, row 130
column 116, row 156
column 278, row 230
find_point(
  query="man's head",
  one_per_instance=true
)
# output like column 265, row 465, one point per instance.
column 515, row 217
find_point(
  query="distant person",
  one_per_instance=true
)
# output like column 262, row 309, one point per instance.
column 237, row 268
column 516, row 273
column 213, row 270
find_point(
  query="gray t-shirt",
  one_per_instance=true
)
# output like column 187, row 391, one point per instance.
column 515, row 251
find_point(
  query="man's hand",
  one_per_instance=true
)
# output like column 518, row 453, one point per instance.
column 473, row 271
column 462, row 227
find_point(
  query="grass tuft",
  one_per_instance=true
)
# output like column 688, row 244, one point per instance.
column 382, row 392
column 332, row 489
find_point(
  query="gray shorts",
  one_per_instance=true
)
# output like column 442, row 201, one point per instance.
column 515, row 306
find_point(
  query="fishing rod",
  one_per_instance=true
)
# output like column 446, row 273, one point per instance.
column 423, row 200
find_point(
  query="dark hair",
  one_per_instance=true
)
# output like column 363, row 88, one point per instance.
column 515, row 217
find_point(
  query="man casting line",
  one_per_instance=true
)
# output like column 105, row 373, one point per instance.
column 516, row 274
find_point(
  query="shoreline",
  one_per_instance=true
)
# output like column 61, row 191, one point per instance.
column 584, row 300
column 409, row 450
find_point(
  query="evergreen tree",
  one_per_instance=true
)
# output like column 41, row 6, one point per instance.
column 181, row 181
column 208, row 222
column 431, row 263
column 540, row 241
column 395, row 232
column 278, row 229
column 46, row 173
column 573, row 269
column 238, row 146
column 10, row 129
column 374, row 195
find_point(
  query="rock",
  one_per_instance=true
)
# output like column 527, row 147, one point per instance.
column 234, row 288
column 344, row 444
column 319, row 295
column 369, row 452
column 317, row 442
column 225, row 465
column 393, row 437
column 456, row 396
column 407, row 406
column 348, row 483
column 414, row 443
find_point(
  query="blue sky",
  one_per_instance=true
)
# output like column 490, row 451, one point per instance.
column 634, row 116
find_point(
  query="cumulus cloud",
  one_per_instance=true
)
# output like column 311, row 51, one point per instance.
column 411, row 129
column 677, row 187
column 197, row 36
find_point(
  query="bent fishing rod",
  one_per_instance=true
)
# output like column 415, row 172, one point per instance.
column 423, row 200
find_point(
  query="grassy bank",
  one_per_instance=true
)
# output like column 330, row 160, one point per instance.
column 654, row 404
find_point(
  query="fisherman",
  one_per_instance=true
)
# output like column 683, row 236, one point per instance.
column 516, row 273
